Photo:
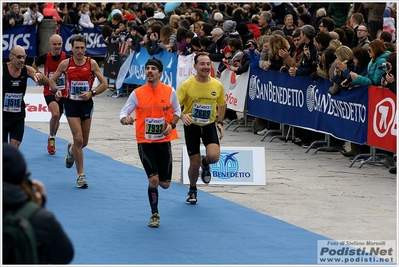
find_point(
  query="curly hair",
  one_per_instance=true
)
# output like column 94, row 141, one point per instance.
column 277, row 42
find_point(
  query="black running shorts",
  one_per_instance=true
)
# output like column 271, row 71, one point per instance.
column 15, row 129
column 51, row 98
column 78, row 109
column 194, row 133
column 156, row 159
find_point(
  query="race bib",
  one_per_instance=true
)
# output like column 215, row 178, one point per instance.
column 154, row 128
column 202, row 113
column 60, row 82
column 12, row 102
column 77, row 88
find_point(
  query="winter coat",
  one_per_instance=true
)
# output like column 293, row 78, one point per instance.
column 374, row 75
column 54, row 246
column 339, row 12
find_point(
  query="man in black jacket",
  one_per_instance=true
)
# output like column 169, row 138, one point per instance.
column 54, row 246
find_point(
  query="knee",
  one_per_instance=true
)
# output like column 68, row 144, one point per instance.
column 212, row 159
column 56, row 115
column 78, row 141
column 164, row 185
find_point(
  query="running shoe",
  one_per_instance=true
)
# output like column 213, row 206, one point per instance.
column 51, row 145
column 154, row 220
column 206, row 173
column 191, row 197
column 69, row 160
column 81, row 181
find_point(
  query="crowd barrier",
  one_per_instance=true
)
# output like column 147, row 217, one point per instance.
column 363, row 115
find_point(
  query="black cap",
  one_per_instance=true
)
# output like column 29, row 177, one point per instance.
column 14, row 165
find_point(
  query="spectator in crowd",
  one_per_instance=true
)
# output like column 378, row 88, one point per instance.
column 276, row 43
column 197, row 28
column 355, row 21
column 181, row 39
column 344, row 62
column 320, row 13
column 265, row 22
column 206, row 30
column 188, row 48
column 342, row 36
column 74, row 12
column 84, row 19
column 220, row 40
column 63, row 12
column 151, row 39
column 168, row 39
column 378, row 53
column 361, row 59
column 135, row 38
column 120, row 37
column 292, row 57
column 375, row 18
column 50, row 11
column 363, row 37
column 97, row 16
column 229, row 27
column 222, row 8
column 32, row 15
column 304, row 19
column 309, row 53
column 114, row 22
column 384, row 36
column 244, row 33
column 350, row 34
column 254, row 26
column 289, row 26
column 339, row 12
column 149, row 12
column 13, row 17
column 326, row 24
column 174, row 21
column 53, row 244
column 388, row 80
column 390, row 46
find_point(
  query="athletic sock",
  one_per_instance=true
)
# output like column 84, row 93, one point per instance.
column 193, row 188
column 204, row 163
column 153, row 199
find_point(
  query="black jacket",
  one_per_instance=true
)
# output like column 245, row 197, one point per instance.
column 54, row 245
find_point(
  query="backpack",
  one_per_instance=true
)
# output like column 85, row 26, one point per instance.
column 19, row 238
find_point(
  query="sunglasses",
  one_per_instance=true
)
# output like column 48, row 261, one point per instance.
column 19, row 56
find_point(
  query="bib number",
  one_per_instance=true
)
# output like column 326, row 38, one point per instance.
column 202, row 113
column 154, row 127
column 77, row 88
column 12, row 102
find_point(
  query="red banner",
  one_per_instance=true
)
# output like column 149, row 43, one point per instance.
column 382, row 118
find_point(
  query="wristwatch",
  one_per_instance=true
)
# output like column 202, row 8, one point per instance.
column 94, row 92
column 173, row 125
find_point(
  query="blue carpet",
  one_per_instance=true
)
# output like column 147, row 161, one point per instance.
column 107, row 222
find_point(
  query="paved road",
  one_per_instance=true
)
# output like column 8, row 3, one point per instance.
column 318, row 192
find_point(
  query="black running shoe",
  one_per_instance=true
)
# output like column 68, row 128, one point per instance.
column 206, row 173
column 191, row 197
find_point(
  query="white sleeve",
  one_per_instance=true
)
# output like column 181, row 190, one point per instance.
column 175, row 103
column 129, row 107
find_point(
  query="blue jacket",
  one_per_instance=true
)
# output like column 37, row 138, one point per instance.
column 374, row 75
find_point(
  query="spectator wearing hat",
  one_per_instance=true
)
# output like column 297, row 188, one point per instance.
column 135, row 38
column 304, row 19
column 229, row 27
column 54, row 246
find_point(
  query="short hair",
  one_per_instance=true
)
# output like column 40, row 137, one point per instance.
column 323, row 38
column 78, row 38
column 386, row 36
column 199, row 55
column 328, row 23
column 321, row 12
column 235, row 42
column 33, row 5
column 344, row 53
column 255, row 18
column 308, row 30
column 358, row 18
column 390, row 46
column 185, row 23
column 267, row 15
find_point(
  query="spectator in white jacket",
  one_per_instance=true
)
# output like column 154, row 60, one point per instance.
column 32, row 15
column 85, row 20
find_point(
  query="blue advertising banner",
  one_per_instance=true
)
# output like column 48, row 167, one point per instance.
column 136, row 71
column 24, row 36
column 95, row 42
column 301, row 102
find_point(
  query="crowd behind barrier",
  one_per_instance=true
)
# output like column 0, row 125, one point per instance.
column 298, row 101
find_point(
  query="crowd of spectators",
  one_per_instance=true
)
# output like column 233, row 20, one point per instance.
column 344, row 43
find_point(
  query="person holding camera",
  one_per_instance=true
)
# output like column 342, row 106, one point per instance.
column 378, row 53
column 53, row 245
column 388, row 80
